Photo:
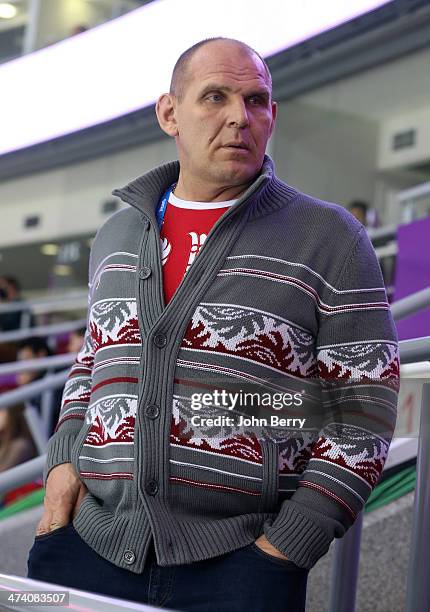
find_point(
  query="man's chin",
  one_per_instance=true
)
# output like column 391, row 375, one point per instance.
column 236, row 172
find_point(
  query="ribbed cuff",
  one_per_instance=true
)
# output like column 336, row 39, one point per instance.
column 58, row 451
column 297, row 535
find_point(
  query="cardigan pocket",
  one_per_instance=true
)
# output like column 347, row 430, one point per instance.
column 270, row 475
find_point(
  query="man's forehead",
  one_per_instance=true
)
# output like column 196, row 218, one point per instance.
column 230, row 80
column 213, row 62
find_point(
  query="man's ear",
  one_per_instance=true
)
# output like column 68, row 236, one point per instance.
column 274, row 114
column 166, row 114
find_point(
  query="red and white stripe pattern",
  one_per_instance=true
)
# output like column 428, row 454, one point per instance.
column 376, row 360
column 112, row 419
column 114, row 323
column 253, row 335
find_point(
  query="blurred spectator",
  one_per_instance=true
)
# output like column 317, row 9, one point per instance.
column 79, row 29
column 76, row 340
column 364, row 213
column 32, row 348
column 10, row 291
column 16, row 443
column 36, row 348
column 359, row 209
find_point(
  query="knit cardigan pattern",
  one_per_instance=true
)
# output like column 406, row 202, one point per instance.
column 285, row 294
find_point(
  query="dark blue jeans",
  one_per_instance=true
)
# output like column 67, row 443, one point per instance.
column 246, row 579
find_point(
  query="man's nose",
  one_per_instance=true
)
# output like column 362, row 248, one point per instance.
column 238, row 114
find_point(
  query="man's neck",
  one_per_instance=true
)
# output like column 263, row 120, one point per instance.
column 207, row 193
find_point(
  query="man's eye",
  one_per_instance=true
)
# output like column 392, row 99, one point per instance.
column 216, row 97
column 256, row 100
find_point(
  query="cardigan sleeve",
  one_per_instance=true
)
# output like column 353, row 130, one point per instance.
column 75, row 399
column 358, row 371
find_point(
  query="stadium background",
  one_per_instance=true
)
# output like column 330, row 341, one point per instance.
column 353, row 128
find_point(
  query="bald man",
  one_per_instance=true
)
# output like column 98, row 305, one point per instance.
column 163, row 484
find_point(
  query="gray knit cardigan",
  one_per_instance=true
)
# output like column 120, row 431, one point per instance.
column 286, row 295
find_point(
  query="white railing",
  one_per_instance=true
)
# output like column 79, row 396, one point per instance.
column 77, row 600
column 45, row 331
column 70, row 301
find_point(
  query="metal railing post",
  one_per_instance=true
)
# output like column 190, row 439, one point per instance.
column 30, row 36
column 25, row 320
column 345, row 567
column 418, row 583
column 46, row 409
column 36, row 426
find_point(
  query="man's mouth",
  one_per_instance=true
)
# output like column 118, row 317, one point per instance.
column 239, row 146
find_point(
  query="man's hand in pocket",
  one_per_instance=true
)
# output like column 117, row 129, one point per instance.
column 263, row 543
column 63, row 496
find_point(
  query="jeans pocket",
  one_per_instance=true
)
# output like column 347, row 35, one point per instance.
column 286, row 563
column 49, row 534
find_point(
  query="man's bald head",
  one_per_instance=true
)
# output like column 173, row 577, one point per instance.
column 180, row 74
column 223, row 120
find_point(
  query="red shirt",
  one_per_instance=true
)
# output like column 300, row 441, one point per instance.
column 184, row 230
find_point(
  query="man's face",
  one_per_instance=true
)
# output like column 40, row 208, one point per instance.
column 3, row 289
column 75, row 343
column 4, row 422
column 359, row 214
column 227, row 101
column 23, row 378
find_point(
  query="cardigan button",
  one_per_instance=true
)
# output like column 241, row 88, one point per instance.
column 160, row 340
column 129, row 557
column 152, row 411
column 152, row 487
column 144, row 272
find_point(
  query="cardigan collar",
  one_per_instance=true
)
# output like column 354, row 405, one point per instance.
column 265, row 194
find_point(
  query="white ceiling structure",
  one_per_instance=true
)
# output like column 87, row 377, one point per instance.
column 390, row 89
